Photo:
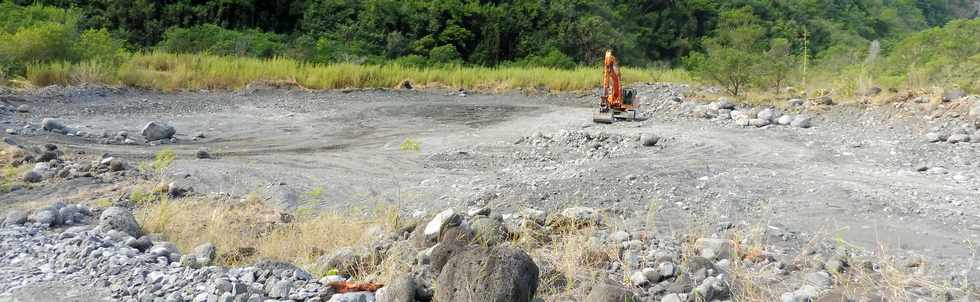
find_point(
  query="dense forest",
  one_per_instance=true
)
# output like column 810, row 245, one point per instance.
column 557, row 33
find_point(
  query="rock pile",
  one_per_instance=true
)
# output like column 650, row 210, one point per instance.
column 594, row 145
column 964, row 134
column 48, row 163
column 724, row 109
column 136, row 267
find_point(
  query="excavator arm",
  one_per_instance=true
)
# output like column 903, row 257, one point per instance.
column 612, row 89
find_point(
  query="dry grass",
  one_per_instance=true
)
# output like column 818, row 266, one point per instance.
column 169, row 72
column 248, row 230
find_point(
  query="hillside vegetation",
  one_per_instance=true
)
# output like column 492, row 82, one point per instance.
column 741, row 45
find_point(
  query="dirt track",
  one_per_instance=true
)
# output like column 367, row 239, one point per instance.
column 850, row 176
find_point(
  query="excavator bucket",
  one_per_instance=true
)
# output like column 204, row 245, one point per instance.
column 603, row 117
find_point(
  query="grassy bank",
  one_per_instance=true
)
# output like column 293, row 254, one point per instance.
column 170, row 72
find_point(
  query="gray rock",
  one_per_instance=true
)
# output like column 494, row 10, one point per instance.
column 818, row 279
column 120, row 219
column 725, row 114
column 712, row 289
column 52, row 124
column 639, row 279
column 499, row 274
column 825, row 100
column 619, row 236
column 200, row 256
column 116, row 164
column 652, row 274
column 742, row 122
column 649, row 139
column 795, row 102
column 758, row 122
column 975, row 108
column 667, row 269
column 958, row 138
column 713, row 248
column 933, row 137
column 448, row 217
column 345, row 260
column 673, row 298
column 23, row 108
column 353, row 297
column 488, row 231
column 603, row 292
column 15, row 217
column 953, row 94
column 835, row 266
column 401, row 289
column 32, row 177
column 801, row 121
column 575, row 217
column 281, row 289
column 141, row 244
column 741, row 115
column 157, row 131
column 202, row 153
column 724, row 103
column 784, row 120
column 46, row 216
column 768, row 114
column 70, row 214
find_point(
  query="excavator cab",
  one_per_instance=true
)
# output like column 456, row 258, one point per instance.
column 614, row 100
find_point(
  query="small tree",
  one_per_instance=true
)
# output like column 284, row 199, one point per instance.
column 732, row 57
column 780, row 60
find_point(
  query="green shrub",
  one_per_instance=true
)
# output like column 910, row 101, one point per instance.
column 554, row 59
column 38, row 43
column 99, row 45
column 329, row 50
column 213, row 39
column 14, row 17
column 410, row 61
column 445, row 54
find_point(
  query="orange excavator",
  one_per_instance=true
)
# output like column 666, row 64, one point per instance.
column 614, row 101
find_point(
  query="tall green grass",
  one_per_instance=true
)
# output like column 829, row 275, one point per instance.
column 169, row 72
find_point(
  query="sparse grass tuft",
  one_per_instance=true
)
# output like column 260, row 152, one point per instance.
column 246, row 231
column 163, row 159
column 410, row 145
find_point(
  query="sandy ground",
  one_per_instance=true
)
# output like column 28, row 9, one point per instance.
column 851, row 176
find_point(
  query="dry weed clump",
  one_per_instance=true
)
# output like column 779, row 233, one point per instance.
column 248, row 230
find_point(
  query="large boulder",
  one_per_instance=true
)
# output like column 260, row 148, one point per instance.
column 953, row 94
column 401, row 289
column 801, row 121
column 604, row 292
column 649, row 139
column 345, row 260
column 768, row 114
column 156, row 131
column 45, row 216
column 120, row 219
column 488, row 231
column 479, row 274
column 32, row 176
column 15, row 217
column 441, row 221
column 201, row 256
column 52, row 124
column 714, row 248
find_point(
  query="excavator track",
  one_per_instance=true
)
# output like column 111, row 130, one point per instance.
column 603, row 117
